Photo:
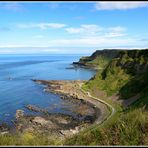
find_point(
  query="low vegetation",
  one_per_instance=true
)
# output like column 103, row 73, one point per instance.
column 27, row 139
column 129, row 129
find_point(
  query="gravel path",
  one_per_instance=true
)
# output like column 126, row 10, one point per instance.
column 113, row 110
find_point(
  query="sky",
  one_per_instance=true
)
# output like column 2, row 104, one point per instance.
column 72, row 27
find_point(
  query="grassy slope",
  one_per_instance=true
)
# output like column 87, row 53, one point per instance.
column 126, row 74
column 130, row 127
column 98, row 59
column 28, row 138
column 127, row 127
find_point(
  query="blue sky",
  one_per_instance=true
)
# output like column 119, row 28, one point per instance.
column 72, row 27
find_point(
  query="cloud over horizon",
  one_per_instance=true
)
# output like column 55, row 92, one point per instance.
column 113, row 5
column 41, row 25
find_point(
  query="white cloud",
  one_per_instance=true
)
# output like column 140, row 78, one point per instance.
column 117, row 29
column 115, row 32
column 88, row 35
column 74, row 30
column 94, row 35
column 92, row 27
column 95, row 30
column 42, row 25
column 120, row 5
column 85, row 29
column 91, row 41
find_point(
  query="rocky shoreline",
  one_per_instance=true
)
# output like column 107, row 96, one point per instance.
column 88, row 111
column 85, row 66
column 92, row 109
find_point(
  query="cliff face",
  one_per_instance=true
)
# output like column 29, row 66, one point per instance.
column 108, row 53
column 126, row 74
column 133, row 62
column 99, row 59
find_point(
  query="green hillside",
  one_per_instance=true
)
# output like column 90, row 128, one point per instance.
column 127, row 76
column 99, row 59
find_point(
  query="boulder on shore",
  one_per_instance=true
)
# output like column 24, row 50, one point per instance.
column 19, row 114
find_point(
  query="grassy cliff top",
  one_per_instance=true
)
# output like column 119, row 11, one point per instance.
column 125, row 74
column 101, row 58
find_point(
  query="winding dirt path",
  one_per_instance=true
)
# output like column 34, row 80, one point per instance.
column 113, row 110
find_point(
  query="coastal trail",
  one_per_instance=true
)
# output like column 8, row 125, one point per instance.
column 113, row 110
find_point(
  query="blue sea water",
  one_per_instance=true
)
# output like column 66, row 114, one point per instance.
column 17, row 89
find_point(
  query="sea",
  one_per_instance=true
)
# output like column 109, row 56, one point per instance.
column 18, row 90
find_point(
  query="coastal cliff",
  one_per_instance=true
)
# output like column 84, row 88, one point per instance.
column 125, row 74
column 99, row 59
column 125, row 79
